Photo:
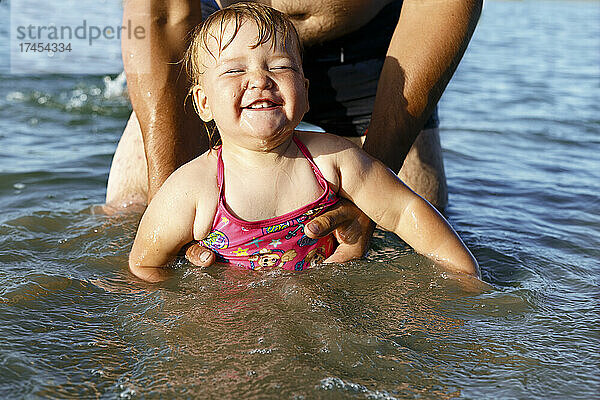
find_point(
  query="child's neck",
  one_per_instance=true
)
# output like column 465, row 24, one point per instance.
column 262, row 184
column 257, row 157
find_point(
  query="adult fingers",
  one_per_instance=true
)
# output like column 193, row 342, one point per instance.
column 199, row 256
column 346, row 252
column 353, row 239
column 340, row 215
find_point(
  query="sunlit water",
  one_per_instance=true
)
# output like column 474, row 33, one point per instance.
column 521, row 143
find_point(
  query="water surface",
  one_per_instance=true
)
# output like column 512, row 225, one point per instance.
column 520, row 132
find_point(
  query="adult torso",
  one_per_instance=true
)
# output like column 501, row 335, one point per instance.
column 322, row 20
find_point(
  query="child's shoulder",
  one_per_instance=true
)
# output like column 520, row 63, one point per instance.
column 324, row 144
column 329, row 152
column 198, row 176
column 205, row 164
column 330, row 149
column 336, row 154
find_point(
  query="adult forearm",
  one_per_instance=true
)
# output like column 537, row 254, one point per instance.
column 157, row 83
column 428, row 43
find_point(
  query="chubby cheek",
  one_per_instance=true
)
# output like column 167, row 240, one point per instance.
column 302, row 97
column 230, row 95
column 268, row 262
column 226, row 99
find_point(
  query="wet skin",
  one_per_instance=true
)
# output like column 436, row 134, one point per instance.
column 428, row 44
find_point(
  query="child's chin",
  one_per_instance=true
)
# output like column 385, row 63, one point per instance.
column 270, row 132
column 265, row 121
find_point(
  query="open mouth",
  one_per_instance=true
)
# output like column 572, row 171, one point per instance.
column 262, row 104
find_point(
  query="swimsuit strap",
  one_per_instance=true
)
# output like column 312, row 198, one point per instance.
column 303, row 150
column 308, row 156
column 220, row 173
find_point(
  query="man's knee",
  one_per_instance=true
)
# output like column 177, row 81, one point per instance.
column 423, row 169
column 128, row 177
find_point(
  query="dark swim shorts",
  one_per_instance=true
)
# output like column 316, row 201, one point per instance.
column 343, row 74
column 208, row 7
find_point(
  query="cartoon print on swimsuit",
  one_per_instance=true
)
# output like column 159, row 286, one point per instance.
column 313, row 257
column 279, row 227
column 292, row 232
column 305, row 240
column 297, row 221
column 270, row 258
column 216, row 240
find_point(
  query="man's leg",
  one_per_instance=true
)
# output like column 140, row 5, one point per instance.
column 128, row 177
column 423, row 168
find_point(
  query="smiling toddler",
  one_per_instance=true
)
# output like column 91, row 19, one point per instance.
column 251, row 195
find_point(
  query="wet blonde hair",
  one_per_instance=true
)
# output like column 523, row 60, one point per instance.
column 270, row 24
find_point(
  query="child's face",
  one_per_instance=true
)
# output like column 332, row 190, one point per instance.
column 257, row 96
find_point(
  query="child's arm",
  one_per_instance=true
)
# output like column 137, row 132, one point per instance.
column 381, row 195
column 174, row 219
column 166, row 226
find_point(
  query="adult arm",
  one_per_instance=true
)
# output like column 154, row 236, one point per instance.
column 428, row 43
column 157, row 83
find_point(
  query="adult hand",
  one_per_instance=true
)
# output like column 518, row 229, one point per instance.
column 199, row 256
column 350, row 226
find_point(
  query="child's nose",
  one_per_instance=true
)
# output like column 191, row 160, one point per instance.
column 259, row 80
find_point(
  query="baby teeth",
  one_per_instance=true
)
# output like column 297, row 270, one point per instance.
column 262, row 104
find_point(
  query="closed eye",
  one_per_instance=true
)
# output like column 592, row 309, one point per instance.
column 282, row 67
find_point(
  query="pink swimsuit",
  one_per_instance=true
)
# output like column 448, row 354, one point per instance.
column 275, row 242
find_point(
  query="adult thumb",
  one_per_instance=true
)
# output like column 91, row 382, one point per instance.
column 339, row 216
column 199, row 256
